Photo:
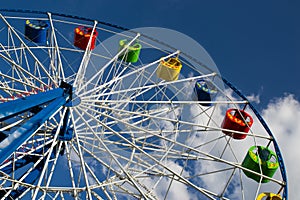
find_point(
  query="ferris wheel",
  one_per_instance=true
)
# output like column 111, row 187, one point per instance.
column 91, row 110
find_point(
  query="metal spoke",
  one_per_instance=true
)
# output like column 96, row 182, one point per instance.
column 59, row 69
column 34, row 196
column 31, row 53
column 82, row 161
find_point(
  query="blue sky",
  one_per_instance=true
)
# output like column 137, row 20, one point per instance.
column 255, row 44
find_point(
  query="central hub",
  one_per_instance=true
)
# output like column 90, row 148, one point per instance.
column 74, row 100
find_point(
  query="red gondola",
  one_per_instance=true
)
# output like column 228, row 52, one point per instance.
column 237, row 120
column 82, row 37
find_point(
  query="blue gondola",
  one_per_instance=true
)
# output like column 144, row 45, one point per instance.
column 36, row 30
column 203, row 92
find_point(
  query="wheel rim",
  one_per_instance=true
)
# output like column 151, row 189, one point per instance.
column 135, row 135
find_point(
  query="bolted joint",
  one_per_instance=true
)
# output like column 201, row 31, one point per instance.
column 68, row 89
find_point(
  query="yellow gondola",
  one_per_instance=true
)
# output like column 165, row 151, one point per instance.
column 268, row 196
column 169, row 70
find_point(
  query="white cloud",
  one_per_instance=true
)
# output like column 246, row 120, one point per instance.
column 177, row 190
column 283, row 117
column 254, row 98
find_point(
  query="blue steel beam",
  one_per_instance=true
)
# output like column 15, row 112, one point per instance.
column 20, row 135
column 15, row 107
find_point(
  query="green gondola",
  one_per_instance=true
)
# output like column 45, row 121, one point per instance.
column 132, row 53
column 260, row 157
